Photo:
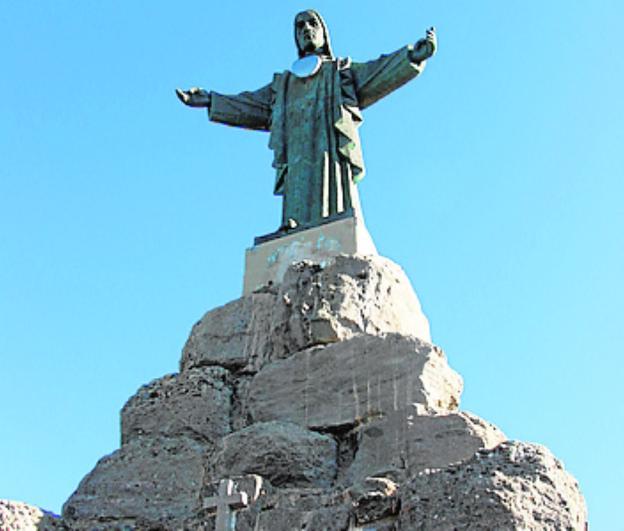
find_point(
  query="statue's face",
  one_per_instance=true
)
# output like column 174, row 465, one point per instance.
column 309, row 32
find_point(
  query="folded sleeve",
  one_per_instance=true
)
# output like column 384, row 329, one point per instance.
column 251, row 110
column 375, row 79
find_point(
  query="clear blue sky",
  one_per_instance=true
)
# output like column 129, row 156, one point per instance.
column 495, row 180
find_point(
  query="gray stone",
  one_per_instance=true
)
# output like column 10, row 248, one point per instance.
column 284, row 453
column 196, row 403
column 294, row 509
column 15, row 515
column 326, row 519
column 403, row 443
column 351, row 295
column 149, row 481
column 231, row 335
column 350, row 382
column 514, row 486
column 314, row 305
column 290, row 511
column 374, row 499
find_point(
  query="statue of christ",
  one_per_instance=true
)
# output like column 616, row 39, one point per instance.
column 312, row 113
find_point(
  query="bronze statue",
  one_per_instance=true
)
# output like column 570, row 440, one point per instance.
column 313, row 113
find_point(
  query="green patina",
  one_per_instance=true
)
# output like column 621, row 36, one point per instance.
column 313, row 121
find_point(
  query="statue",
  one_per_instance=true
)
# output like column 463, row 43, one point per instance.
column 313, row 113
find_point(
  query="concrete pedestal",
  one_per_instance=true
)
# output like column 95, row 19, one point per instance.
column 266, row 263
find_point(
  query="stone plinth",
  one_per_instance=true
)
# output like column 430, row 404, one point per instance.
column 266, row 263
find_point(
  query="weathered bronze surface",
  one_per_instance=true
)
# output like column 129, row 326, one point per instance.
column 313, row 113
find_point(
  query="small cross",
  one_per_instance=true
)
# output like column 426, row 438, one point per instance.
column 226, row 503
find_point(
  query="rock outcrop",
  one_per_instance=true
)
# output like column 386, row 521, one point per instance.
column 196, row 403
column 403, row 443
column 513, row 486
column 284, row 453
column 18, row 516
column 148, row 482
column 347, row 383
column 318, row 404
column 353, row 295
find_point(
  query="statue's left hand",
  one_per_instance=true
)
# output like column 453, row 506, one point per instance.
column 195, row 97
column 426, row 47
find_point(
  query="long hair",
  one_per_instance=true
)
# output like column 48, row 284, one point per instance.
column 327, row 49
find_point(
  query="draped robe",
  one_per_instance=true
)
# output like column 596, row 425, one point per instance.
column 313, row 124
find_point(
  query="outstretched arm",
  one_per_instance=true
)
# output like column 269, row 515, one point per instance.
column 375, row 79
column 251, row 110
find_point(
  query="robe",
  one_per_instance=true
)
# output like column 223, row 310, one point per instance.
column 313, row 124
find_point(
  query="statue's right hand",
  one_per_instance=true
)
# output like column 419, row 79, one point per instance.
column 195, row 97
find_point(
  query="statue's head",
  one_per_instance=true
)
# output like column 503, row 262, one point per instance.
column 311, row 35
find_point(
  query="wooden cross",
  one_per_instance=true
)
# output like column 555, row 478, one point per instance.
column 226, row 503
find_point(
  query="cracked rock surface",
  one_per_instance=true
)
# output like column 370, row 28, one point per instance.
column 196, row 403
column 316, row 404
column 349, row 382
column 284, row 453
column 514, row 486
column 313, row 306
column 149, row 481
column 403, row 443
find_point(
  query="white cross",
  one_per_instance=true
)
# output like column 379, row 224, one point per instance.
column 226, row 503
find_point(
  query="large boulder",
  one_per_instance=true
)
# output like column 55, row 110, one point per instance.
column 284, row 453
column 346, row 383
column 402, row 443
column 314, row 305
column 351, row 295
column 148, row 482
column 196, row 403
column 233, row 335
column 514, row 486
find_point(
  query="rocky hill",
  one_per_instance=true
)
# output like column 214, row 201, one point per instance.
column 319, row 403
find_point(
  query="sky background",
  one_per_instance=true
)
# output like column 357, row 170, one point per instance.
column 495, row 180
